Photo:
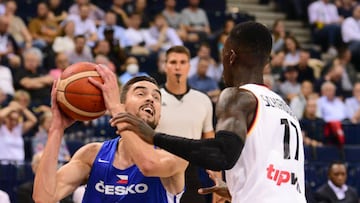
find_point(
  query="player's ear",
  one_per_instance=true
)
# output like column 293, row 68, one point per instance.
column 232, row 57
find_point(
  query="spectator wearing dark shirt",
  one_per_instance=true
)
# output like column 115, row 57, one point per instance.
column 33, row 79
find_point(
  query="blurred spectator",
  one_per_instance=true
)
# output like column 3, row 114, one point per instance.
column 350, row 30
column 204, row 51
column 195, row 21
column 13, row 127
column 334, row 75
column 41, row 136
column 330, row 107
column 110, row 27
column 25, row 190
column 84, row 25
column 311, row 125
column 298, row 103
column 122, row 17
column 8, row 46
column 61, row 62
column 102, row 47
column 292, row 51
column 333, row 111
column 65, row 42
column 349, row 75
column 131, row 70
column 304, row 70
column 140, row 8
column 3, row 99
column 345, row 7
column 57, row 10
column 136, row 35
column 81, row 51
column 325, row 19
column 336, row 189
column 160, row 37
column 173, row 18
column 278, row 35
column 42, row 28
column 6, row 81
column 352, row 105
column 101, row 59
column 160, row 75
column 200, row 81
column 33, row 78
column 276, row 64
column 4, row 197
column 17, row 27
column 22, row 97
column 95, row 14
column 290, row 88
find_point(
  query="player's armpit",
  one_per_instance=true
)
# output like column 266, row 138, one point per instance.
column 220, row 153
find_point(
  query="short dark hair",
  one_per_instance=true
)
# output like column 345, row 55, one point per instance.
column 252, row 37
column 178, row 49
column 335, row 162
column 128, row 84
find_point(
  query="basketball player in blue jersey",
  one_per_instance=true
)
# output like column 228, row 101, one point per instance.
column 125, row 169
column 258, row 140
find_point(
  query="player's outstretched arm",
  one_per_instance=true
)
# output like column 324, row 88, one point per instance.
column 51, row 185
column 236, row 110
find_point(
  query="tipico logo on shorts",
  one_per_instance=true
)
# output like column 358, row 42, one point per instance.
column 281, row 177
column 123, row 179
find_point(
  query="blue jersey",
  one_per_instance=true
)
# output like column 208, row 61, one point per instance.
column 109, row 184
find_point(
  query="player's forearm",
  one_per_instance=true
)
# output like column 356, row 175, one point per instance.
column 146, row 159
column 220, row 153
column 45, row 179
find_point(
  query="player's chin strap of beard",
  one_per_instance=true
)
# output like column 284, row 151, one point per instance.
column 220, row 153
column 178, row 78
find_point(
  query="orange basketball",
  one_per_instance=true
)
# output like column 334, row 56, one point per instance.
column 76, row 96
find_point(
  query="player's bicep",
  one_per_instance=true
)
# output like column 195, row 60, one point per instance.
column 76, row 171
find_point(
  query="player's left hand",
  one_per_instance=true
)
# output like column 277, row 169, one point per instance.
column 132, row 123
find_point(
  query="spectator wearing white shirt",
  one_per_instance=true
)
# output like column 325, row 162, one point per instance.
column 95, row 13
column 350, row 30
column 65, row 43
column 118, row 31
column 292, row 51
column 84, row 25
column 6, row 81
column 136, row 35
column 352, row 105
column 195, row 21
column 4, row 197
column 326, row 21
column 331, row 108
column 203, row 52
column 160, row 37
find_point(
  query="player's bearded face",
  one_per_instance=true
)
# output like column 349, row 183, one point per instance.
column 144, row 101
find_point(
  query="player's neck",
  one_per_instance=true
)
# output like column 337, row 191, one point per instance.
column 176, row 88
column 246, row 77
column 122, row 158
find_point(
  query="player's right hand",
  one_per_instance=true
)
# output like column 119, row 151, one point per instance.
column 60, row 120
column 219, row 188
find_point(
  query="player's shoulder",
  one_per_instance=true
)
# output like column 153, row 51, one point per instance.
column 237, row 98
column 88, row 152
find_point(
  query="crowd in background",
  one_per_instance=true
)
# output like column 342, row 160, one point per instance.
column 131, row 36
